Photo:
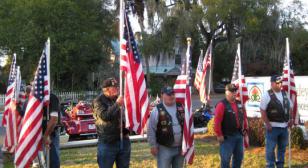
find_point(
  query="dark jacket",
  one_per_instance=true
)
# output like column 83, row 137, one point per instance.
column 106, row 113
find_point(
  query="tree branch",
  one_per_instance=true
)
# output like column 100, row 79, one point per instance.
column 203, row 31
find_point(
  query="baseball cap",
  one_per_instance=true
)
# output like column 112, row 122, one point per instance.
column 167, row 90
column 231, row 87
column 109, row 83
column 276, row 78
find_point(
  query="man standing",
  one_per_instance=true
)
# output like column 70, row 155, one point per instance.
column 50, row 128
column 107, row 114
column 165, row 131
column 275, row 109
column 24, row 105
column 229, row 128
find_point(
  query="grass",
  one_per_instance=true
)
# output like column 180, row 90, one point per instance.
column 206, row 156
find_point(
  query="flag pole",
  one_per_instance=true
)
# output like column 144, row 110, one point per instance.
column 121, row 25
column 187, row 59
column 240, row 72
column 48, row 74
column 188, row 78
column 210, row 78
column 290, row 115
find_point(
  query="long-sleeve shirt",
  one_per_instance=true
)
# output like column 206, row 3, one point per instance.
column 219, row 115
column 152, row 126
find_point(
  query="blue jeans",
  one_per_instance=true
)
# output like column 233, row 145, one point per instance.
column 278, row 136
column 108, row 153
column 169, row 157
column 232, row 146
column 55, row 150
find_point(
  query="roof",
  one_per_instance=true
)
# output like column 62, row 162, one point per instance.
column 165, row 70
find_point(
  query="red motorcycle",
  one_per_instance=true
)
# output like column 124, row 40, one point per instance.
column 78, row 120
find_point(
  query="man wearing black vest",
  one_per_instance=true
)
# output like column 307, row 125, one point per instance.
column 229, row 127
column 275, row 108
column 165, row 131
column 50, row 128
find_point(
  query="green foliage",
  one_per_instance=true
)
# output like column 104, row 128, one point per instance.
column 80, row 34
column 256, row 132
column 260, row 26
column 210, row 128
column 223, row 61
column 157, row 82
column 297, row 138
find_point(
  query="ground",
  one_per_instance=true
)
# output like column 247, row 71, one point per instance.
column 206, row 156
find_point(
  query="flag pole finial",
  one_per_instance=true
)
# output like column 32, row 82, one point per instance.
column 188, row 40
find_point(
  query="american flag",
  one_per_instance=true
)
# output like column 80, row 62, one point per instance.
column 181, row 80
column 9, row 91
column 136, row 99
column 239, row 80
column 199, row 71
column 204, row 91
column 182, row 88
column 30, row 139
column 12, row 117
column 288, row 83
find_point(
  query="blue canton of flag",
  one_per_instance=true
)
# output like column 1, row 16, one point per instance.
column 12, row 74
column 129, row 37
column 41, row 72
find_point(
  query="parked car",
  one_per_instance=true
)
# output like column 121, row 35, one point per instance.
column 78, row 120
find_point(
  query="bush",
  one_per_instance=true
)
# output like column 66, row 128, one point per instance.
column 210, row 128
column 297, row 138
column 157, row 82
column 256, row 132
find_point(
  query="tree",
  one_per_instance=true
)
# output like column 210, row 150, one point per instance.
column 80, row 33
column 257, row 25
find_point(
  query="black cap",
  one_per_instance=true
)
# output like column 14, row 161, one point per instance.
column 167, row 90
column 276, row 79
column 109, row 83
column 231, row 87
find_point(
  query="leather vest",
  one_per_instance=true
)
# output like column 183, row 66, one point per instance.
column 277, row 112
column 229, row 126
column 164, row 132
column 53, row 106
